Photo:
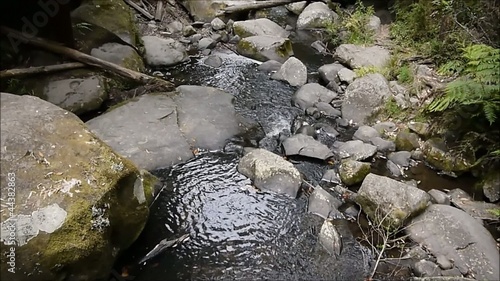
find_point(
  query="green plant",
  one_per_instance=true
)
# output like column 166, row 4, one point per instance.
column 405, row 74
column 365, row 70
column 495, row 212
column 479, row 83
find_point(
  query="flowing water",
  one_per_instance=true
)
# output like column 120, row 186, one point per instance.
column 236, row 232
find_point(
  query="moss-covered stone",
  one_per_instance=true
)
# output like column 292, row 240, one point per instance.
column 437, row 154
column 491, row 184
column 265, row 48
column 353, row 172
column 406, row 141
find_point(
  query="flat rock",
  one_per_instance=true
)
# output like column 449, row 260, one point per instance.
column 265, row 47
column 357, row 150
column 322, row 203
column 346, row 75
column 401, row 158
column 450, row 232
column 307, row 146
column 365, row 134
column 256, row 27
column 476, row 209
column 292, row 71
column 163, row 52
column 439, row 197
column 312, row 93
column 358, row 56
column 316, row 15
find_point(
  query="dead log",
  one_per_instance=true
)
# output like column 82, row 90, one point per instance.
column 84, row 58
column 159, row 10
column 39, row 69
column 140, row 10
column 255, row 6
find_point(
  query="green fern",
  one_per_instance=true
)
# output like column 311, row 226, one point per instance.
column 479, row 83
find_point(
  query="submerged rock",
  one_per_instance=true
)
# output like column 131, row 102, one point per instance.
column 71, row 192
column 292, row 71
column 353, row 172
column 390, row 202
column 271, row 172
column 449, row 232
column 265, row 47
column 307, row 146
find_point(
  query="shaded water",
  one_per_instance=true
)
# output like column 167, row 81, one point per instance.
column 236, row 232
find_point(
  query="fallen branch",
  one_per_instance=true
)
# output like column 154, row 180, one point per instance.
column 255, row 6
column 139, row 9
column 84, row 58
column 39, row 69
column 159, row 10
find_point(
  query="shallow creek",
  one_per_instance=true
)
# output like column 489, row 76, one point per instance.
column 236, row 232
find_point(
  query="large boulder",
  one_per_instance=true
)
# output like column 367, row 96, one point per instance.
column 449, row 232
column 77, row 203
column 312, row 93
column 437, row 154
column 119, row 54
column 159, row 130
column 316, row 15
column 358, row 56
column 257, row 27
column 271, row 172
column 163, row 52
column 363, row 96
column 390, row 202
column 292, row 71
column 265, row 47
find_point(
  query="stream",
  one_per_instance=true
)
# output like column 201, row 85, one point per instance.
column 236, row 232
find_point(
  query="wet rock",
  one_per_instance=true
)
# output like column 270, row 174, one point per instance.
column 206, row 43
column 357, row 150
column 306, row 146
column 322, row 203
column 385, row 127
column 422, row 129
column 258, row 27
column 439, row 197
column 265, row 47
column 314, row 112
column 448, row 231
column 374, row 24
column 330, row 130
column 329, row 72
column 330, row 238
column 163, row 52
column 353, row 172
column 213, row 61
column 319, row 46
column 394, row 168
column 296, row 7
column 270, row 66
column 491, row 184
column 342, row 122
column 327, row 110
column 365, row 133
column 271, row 172
column 436, row 154
column 363, row 96
column 417, row 154
column 383, row 145
column 347, row 75
column 76, row 95
column 426, row 268
column 188, row 30
column 217, row 24
column 407, row 141
column 307, row 130
column 401, row 158
column 234, row 39
column 331, row 176
column 292, row 71
column 476, row 209
column 312, row 93
column 358, row 56
column 316, row 15
column 119, row 54
column 390, row 202
column 71, row 192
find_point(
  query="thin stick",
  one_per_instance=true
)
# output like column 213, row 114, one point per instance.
column 39, row 69
column 139, row 9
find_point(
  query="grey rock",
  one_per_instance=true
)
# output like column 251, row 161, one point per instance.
column 444, row 262
column 441, row 278
column 394, row 169
column 417, row 154
column 175, row 27
column 383, row 145
column 234, row 39
column 365, row 134
column 258, row 27
column 119, row 54
column 330, row 130
column 330, row 238
column 213, row 61
column 322, row 203
column 188, row 30
column 357, row 150
column 216, row 37
column 195, row 38
column 420, row 128
column 312, row 93
column 313, row 111
column 292, row 71
column 439, row 197
column 163, row 52
column 454, row 272
column 296, row 7
column 407, row 141
column 347, row 75
column 476, row 209
column 352, row 172
column 342, row 122
column 206, row 43
column 331, row 176
column 217, row 24
column 306, row 146
column 390, row 202
column 426, row 268
column 437, row 155
column 358, row 56
column 329, row 72
column 363, row 96
column 270, row 66
column 265, row 47
column 307, row 130
column 374, row 23
column 448, row 231
column 270, row 172
column 417, row 253
column 384, row 127
column 316, row 15
column 327, row 110
column 491, row 184
column 319, row 46
column 76, row 95
column 206, row 52
column 401, row 158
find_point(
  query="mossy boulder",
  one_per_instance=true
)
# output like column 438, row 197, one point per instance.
column 353, row 172
column 78, row 204
column 266, row 47
column 436, row 154
column 491, row 184
column 406, row 141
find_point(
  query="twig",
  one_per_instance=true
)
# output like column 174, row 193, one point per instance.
column 139, row 9
column 39, row 69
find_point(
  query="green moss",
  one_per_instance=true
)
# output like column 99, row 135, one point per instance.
column 445, row 160
column 285, row 50
column 240, row 31
column 353, row 172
